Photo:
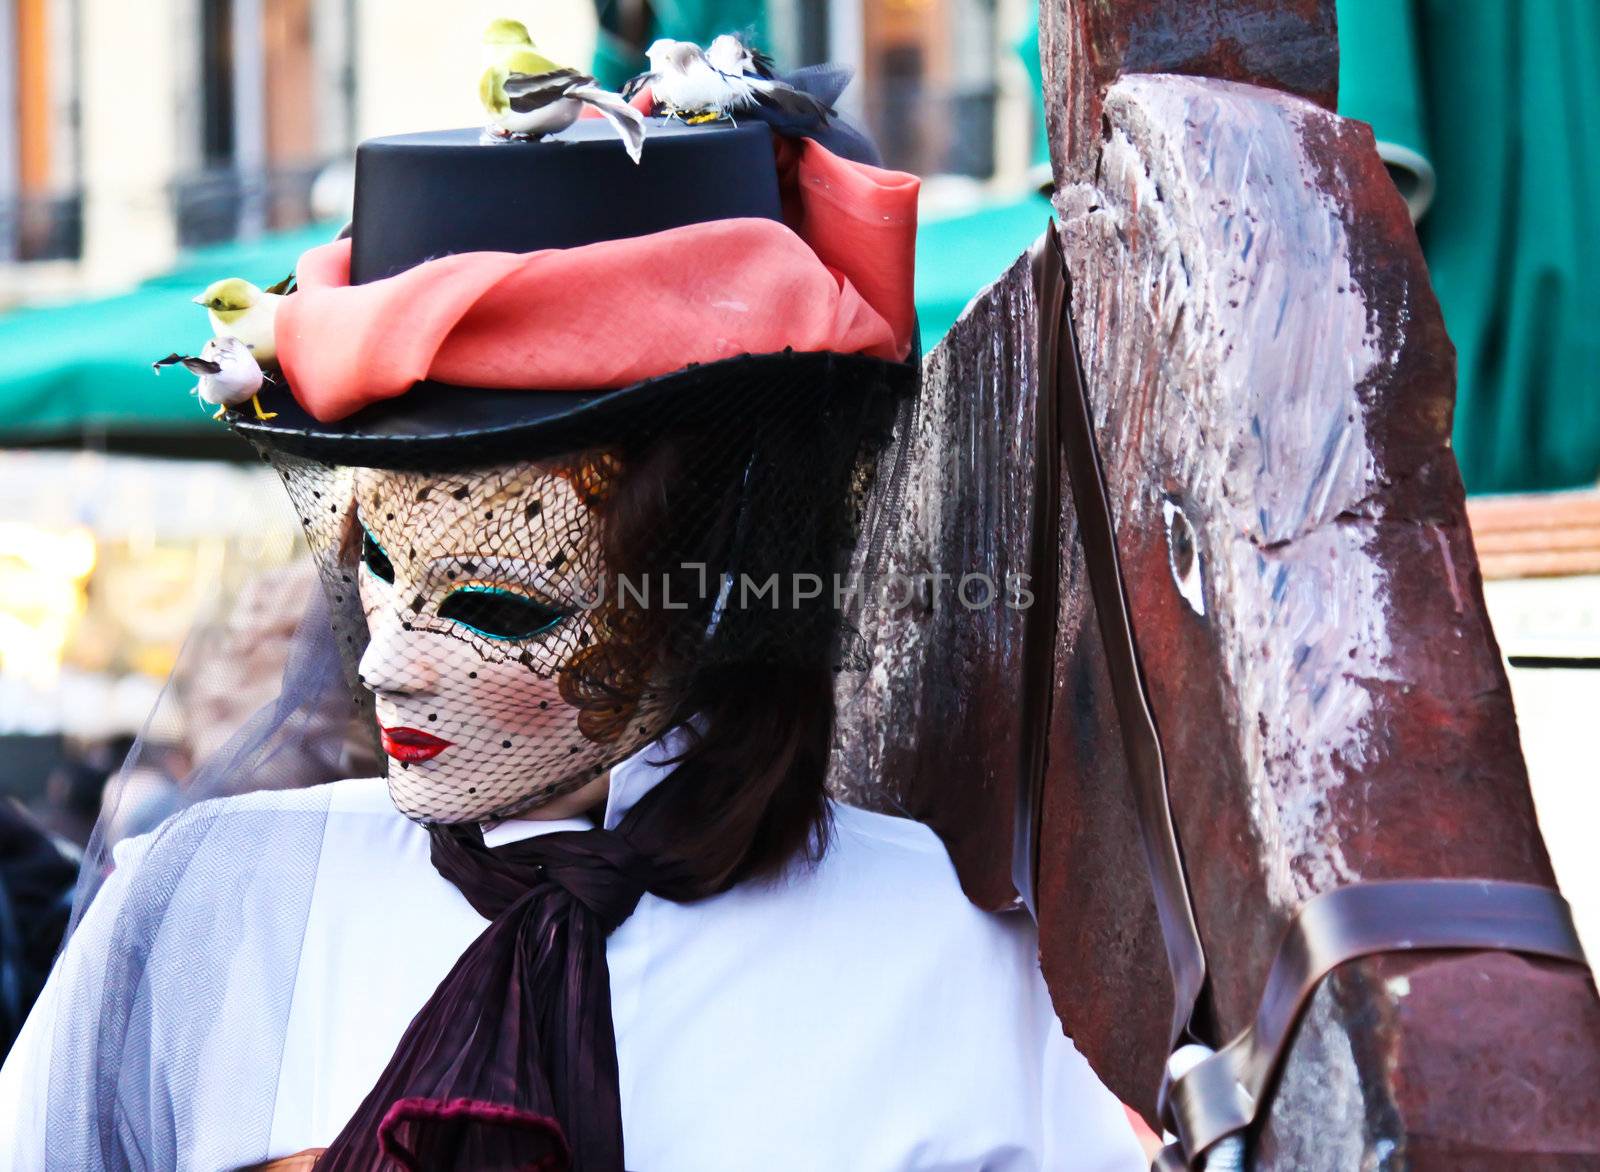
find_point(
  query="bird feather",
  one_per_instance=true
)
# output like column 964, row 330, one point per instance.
column 529, row 92
column 762, row 62
column 530, row 61
column 787, row 100
column 624, row 119
column 491, row 91
column 189, row 362
column 631, row 87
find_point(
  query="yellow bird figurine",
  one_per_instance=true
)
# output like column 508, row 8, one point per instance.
column 240, row 310
column 527, row 95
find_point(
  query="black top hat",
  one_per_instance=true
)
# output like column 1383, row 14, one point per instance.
column 422, row 196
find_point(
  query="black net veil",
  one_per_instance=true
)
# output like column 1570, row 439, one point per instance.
column 524, row 614
column 540, row 604
column 303, row 736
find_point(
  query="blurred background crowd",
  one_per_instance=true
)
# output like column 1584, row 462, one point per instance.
column 149, row 148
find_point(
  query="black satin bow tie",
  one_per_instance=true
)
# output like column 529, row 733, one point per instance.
column 512, row 1063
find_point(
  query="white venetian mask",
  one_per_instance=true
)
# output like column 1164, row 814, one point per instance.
column 485, row 643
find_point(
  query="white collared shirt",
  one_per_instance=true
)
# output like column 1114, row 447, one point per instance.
column 859, row 1014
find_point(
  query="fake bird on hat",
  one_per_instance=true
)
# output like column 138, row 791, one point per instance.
column 763, row 91
column 529, row 96
column 229, row 375
column 733, row 55
column 684, row 84
column 238, row 309
column 729, row 78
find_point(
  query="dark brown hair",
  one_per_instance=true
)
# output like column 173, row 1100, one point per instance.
column 751, row 687
column 750, row 793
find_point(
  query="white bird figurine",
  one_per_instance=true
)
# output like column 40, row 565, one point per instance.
column 684, row 84
column 730, row 77
column 733, row 55
column 775, row 100
column 240, row 310
column 527, row 95
column 229, row 375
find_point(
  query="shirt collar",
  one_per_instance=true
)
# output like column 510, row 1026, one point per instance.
column 630, row 781
column 641, row 773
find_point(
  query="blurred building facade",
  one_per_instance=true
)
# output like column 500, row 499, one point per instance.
column 940, row 83
column 943, row 88
column 134, row 130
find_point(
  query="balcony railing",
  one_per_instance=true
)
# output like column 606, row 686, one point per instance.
column 221, row 204
column 42, row 227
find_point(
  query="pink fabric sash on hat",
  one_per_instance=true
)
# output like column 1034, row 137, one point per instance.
column 837, row 277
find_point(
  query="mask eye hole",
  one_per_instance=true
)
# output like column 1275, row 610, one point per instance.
column 498, row 614
column 374, row 558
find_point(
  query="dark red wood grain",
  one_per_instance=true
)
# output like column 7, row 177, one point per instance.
column 1291, row 45
column 935, row 731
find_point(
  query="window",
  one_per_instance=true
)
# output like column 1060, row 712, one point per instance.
column 275, row 109
column 41, row 203
column 930, row 71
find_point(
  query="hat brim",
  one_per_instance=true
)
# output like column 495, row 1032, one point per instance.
column 437, row 425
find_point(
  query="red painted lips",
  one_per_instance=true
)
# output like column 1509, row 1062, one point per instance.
column 412, row 744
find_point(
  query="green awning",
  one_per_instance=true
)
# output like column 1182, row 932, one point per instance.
column 69, row 368
column 66, row 369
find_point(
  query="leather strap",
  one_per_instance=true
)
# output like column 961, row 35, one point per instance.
column 1225, row 1093
column 1044, row 564
column 1147, row 771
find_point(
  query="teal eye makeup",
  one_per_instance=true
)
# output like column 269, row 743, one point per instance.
column 498, row 614
column 374, row 558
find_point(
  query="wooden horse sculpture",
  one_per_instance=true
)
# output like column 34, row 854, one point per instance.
column 1271, row 392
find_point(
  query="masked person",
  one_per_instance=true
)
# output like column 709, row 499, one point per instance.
column 579, row 447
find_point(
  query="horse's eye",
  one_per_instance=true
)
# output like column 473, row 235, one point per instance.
column 1183, row 557
column 498, row 614
column 374, row 558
